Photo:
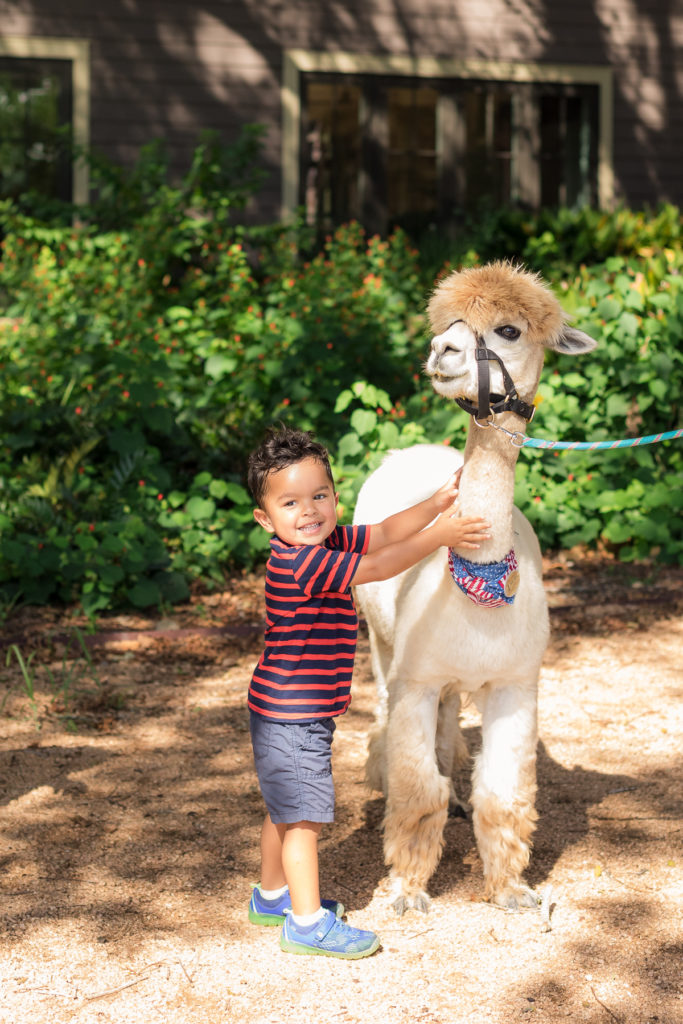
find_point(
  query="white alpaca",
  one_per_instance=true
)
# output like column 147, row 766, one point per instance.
column 431, row 642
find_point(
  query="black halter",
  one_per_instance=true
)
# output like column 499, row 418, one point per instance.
column 489, row 403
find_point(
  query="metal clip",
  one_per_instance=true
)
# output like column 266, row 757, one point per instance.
column 517, row 438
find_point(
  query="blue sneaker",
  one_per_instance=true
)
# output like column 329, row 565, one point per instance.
column 262, row 911
column 329, row 937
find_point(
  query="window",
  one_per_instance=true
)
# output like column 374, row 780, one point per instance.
column 44, row 109
column 381, row 143
column 332, row 118
column 35, row 127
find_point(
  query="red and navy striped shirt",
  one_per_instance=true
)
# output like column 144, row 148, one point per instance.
column 311, row 628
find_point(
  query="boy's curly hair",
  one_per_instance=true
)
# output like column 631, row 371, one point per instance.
column 282, row 446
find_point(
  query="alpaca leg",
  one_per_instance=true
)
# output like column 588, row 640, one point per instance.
column 375, row 766
column 451, row 749
column 417, row 798
column 504, row 792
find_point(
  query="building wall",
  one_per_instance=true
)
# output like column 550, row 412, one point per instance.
column 172, row 69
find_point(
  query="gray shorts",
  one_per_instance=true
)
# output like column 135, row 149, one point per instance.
column 293, row 764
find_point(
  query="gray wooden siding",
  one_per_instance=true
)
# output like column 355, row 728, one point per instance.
column 174, row 68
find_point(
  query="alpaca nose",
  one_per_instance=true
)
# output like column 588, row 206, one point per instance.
column 450, row 340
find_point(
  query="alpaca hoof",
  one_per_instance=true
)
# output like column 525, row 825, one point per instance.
column 422, row 902
column 517, row 899
column 400, row 905
column 416, row 898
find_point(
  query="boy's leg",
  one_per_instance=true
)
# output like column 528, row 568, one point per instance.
column 272, row 871
column 312, row 929
column 300, row 864
column 271, row 899
column 289, row 856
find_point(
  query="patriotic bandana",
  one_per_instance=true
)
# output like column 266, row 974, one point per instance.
column 491, row 584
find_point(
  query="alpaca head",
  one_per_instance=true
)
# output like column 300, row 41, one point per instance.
column 515, row 314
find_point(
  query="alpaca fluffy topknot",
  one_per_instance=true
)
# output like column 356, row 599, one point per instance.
column 497, row 294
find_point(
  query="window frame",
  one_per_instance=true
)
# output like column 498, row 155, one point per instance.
column 300, row 62
column 78, row 52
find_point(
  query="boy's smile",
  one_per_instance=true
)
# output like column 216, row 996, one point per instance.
column 300, row 504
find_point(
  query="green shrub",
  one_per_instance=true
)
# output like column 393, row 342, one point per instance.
column 630, row 386
column 143, row 352
column 554, row 241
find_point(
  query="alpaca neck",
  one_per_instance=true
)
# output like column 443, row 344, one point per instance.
column 488, row 484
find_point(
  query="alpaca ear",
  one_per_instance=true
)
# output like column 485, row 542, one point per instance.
column 572, row 342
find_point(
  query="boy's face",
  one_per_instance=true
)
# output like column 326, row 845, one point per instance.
column 300, row 504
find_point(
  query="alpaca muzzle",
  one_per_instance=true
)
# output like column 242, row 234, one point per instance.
column 488, row 403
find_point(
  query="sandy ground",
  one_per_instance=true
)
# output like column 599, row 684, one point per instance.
column 129, row 825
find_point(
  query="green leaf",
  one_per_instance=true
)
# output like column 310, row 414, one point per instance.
column 177, row 518
column 111, row 574
column 111, row 544
column 144, row 594
column 618, row 531
column 628, row 324
column 573, row 380
column 176, row 499
column 200, row 508
column 608, row 309
column 239, row 495
column 95, row 601
column 173, row 586
column 218, row 489
column 178, row 313
column 219, row 366
column 617, row 406
column 349, row 445
column 363, row 421
column 258, row 539
column 126, row 442
column 344, row 399
column 388, row 434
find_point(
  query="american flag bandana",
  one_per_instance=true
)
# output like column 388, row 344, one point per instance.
column 491, row 584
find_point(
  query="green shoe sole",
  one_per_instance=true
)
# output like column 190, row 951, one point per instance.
column 267, row 919
column 301, row 950
column 270, row 920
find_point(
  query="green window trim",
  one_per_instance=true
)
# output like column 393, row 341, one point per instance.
column 77, row 51
column 300, row 63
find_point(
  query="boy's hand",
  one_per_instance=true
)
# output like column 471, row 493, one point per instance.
column 446, row 495
column 463, row 531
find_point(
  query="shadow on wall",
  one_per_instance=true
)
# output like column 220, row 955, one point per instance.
column 218, row 66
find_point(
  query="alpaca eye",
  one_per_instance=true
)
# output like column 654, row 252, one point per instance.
column 508, row 332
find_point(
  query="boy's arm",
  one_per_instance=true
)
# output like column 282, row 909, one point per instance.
column 391, row 559
column 411, row 520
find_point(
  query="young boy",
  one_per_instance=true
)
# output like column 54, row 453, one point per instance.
column 303, row 678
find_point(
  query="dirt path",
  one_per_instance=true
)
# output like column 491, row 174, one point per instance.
column 129, row 833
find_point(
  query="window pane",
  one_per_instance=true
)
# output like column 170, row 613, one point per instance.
column 551, row 115
column 35, row 116
column 332, row 152
column 488, row 143
column 390, row 150
column 411, row 160
column 568, row 125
